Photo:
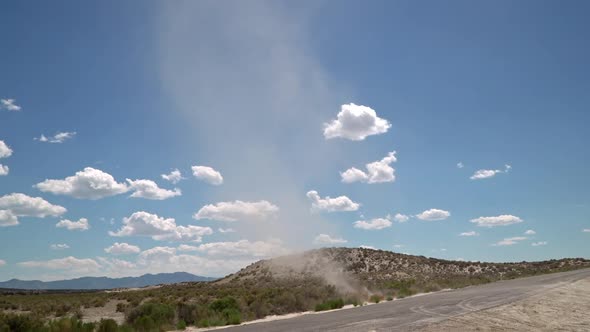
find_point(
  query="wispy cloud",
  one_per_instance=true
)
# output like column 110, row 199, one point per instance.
column 9, row 105
column 510, row 241
column 488, row 173
column 57, row 138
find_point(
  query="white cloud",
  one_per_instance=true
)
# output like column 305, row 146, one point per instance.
column 367, row 247
column 226, row 230
column 162, row 259
column 510, row 241
column 472, row 233
column 401, row 217
column 9, row 105
column 540, row 243
column 207, row 174
column 258, row 249
column 85, row 265
column 5, row 150
column 530, row 232
column 488, row 173
column 80, row 225
column 586, row 230
column 502, row 220
column 397, row 246
column 340, row 203
column 118, row 265
column 460, row 165
column 175, row 176
column 57, row 138
column 355, row 122
column 122, row 248
column 377, row 172
column 237, row 210
column 2, row 262
column 433, row 215
column 20, row 205
column 327, row 239
column 59, row 246
column 7, row 218
column 90, row 183
column 161, row 229
column 148, row 189
column 4, row 170
column 373, row 224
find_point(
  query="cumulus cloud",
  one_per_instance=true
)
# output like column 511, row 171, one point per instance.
column 502, row 220
column 237, row 210
column 586, row 230
column 161, row 259
column 207, row 174
column 70, row 263
column 9, row 105
column 540, row 243
column 373, row 224
column 20, row 205
column 4, row 170
column 148, row 189
column 510, row 241
column 460, row 165
column 433, row 215
column 7, row 218
column 530, row 232
column 90, row 183
column 57, row 138
column 377, row 172
column 327, row 239
column 397, row 246
column 175, row 176
column 5, row 150
column 340, row 203
column 401, row 217
column 80, row 225
column 226, row 230
column 258, row 249
column 161, row 229
column 122, row 249
column 59, row 246
column 2, row 262
column 472, row 233
column 488, row 173
column 355, row 122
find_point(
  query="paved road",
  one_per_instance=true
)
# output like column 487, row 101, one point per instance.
column 413, row 312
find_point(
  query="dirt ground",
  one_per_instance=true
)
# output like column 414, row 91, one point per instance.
column 565, row 308
column 106, row 312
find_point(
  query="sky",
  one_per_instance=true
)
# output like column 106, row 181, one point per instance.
column 200, row 136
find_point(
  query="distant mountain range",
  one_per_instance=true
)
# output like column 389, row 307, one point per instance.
column 104, row 282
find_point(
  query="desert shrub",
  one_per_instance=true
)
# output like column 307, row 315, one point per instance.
column 329, row 305
column 187, row 313
column 108, row 325
column 151, row 317
column 14, row 322
column 375, row 298
column 69, row 324
column 181, row 325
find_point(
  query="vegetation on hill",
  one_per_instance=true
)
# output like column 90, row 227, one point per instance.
column 318, row 280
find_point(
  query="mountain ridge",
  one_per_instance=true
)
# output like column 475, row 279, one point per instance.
column 99, row 283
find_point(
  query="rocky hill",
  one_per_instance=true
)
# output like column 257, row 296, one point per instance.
column 345, row 267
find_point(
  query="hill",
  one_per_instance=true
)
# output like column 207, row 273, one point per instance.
column 88, row 283
column 318, row 280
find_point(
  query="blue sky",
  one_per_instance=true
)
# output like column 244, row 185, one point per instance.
column 262, row 94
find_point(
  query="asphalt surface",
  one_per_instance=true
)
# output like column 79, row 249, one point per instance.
column 411, row 313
